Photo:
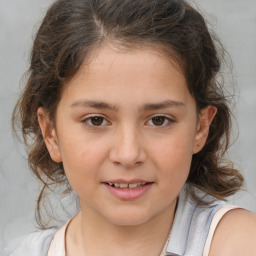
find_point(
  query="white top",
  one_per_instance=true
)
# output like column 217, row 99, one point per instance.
column 191, row 234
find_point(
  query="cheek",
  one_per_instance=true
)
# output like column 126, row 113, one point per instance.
column 81, row 161
column 175, row 165
column 173, row 157
column 79, row 151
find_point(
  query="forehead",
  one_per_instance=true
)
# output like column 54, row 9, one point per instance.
column 132, row 55
column 126, row 60
column 137, row 73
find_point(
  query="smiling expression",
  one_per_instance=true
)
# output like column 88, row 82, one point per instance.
column 126, row 130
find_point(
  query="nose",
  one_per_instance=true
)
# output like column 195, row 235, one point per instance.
column 128, row 148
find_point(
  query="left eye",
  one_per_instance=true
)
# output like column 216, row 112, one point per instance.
column 95, row 121
column 160, row 121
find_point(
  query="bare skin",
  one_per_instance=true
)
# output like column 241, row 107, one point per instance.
column 146, row 128
column 118, row 240
column 235, row 235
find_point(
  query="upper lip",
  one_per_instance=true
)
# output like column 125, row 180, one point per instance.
column 127, row 181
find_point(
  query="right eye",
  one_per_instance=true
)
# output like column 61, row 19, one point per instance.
column 95, row 121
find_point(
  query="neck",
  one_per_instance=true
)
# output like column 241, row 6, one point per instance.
column 93, row 235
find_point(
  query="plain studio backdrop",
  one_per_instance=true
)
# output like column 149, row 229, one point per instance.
column 234, row 21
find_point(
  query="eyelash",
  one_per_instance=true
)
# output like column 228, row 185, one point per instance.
column 88, row 119
column 167, row 119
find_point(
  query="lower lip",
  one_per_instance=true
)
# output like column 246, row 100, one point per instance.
column 128, row 194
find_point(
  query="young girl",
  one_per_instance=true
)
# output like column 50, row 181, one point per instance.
column 123, row 104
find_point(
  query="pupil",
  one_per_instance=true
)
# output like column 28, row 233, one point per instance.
column 97, row 121
column 158, row 120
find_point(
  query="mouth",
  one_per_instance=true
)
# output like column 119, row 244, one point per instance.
column 127, row 185
column 128, row 190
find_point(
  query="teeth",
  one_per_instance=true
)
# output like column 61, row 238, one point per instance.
column 123, row 185
column 134, row 185
column 126, row 185
column 117, row 185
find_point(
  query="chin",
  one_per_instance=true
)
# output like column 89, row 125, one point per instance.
column 128, row 222
column 129, row 218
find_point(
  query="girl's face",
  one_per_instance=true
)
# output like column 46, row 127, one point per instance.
column 128, row 119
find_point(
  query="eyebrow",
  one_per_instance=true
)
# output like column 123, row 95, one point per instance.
column 147, row 107
column 93, row 104
column 163, row 105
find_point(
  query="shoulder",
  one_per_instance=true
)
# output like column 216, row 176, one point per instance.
column 235, row 234
column 191, row 221
column 35, row 243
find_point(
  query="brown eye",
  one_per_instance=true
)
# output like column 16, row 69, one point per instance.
column 97, row 120
column 158, row 120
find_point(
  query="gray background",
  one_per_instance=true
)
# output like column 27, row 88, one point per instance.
column 233, row 20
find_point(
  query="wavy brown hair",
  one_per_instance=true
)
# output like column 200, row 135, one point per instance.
column 72, row 30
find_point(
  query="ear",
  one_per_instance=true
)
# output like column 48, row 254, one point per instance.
column 49, row 135
column 205, row 119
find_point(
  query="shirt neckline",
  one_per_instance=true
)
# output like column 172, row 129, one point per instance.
column 59, row 238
